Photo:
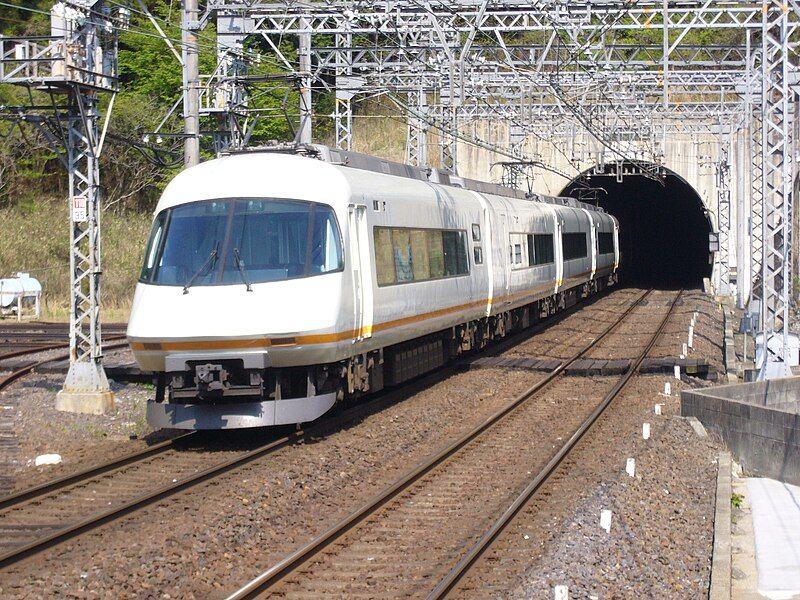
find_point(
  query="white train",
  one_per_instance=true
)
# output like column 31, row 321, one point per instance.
column 275, row 285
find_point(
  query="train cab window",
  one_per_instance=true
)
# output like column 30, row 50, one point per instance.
column 477, row 254
column 238, row 240
column 156, row 235
column 404, row 255
column 476, row 232
column 605, row 242
column 574, row 245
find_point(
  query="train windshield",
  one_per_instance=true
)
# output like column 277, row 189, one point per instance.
column 241, row 241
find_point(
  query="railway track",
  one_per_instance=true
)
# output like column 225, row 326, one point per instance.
column 19, row 339
column 462, row 568
column 38, row 518
column 426, row 517
column 21, row 371
column 29, row 339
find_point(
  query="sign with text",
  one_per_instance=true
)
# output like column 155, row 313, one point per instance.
column 79, row 212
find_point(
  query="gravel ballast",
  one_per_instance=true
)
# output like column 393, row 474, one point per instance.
column 205, row 544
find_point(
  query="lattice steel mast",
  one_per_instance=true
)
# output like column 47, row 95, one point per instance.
column 75, row 65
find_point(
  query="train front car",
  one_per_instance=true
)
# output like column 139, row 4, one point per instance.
column 241, row 300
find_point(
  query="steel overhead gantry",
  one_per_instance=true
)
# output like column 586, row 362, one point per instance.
column 70, row 70
column 556, row 70
column 404, row 36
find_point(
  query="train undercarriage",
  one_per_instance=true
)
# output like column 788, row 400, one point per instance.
column 240, row 392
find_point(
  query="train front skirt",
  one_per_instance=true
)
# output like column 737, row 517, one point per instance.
column 238, row 415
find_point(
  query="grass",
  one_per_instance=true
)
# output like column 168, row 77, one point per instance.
column 737, row 500
column 35, row 238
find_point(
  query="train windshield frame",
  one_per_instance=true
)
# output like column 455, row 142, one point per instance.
column 242, row 241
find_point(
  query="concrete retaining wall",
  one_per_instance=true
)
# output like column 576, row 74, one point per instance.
column 760, row 423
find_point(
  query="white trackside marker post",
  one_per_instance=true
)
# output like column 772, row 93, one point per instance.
column 646, row 431
column 667, row 389
column 677, row 372
column 684, row 351
column 605, row 520
column 561, row 592
column 691, row 336
column 658, row 409
column 630, row 467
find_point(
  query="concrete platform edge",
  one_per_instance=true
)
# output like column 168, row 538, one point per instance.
column 720, row 588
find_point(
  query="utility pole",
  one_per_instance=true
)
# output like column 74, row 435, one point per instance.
column 75, row 65
column 191, row 82
column 304, row 56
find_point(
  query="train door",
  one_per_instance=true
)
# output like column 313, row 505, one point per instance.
column 361, row 271
column 558, row 225
column 487, row 250
column 505, row 237
column 592, row 241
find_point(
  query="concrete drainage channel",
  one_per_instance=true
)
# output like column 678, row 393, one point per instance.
column 760, row 423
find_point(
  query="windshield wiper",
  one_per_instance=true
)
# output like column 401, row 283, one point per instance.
column 238, row 260
column 212, row 258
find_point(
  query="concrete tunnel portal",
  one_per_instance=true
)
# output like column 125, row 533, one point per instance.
column 663, row 226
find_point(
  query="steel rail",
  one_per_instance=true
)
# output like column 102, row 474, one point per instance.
column 58, row 346
column 54, row 485
column 319, row 427
column 95, row 520
column 20, row 372
column 112, row 465
column 449, row 581
column 123, row 461
column 302, row 555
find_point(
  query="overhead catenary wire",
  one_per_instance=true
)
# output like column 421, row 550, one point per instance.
column 480, row 143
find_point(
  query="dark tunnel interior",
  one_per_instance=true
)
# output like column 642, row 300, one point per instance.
column 663, row 228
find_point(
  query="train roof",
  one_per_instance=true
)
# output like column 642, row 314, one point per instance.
column 366, row 162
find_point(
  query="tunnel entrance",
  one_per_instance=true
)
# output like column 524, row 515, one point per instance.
column 663, row 225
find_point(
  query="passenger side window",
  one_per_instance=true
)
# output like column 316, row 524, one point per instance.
column 401, row 245
column 531, row 254
column 384, row 257
column 518, row 251
column 404, row 255
column 574, row 245
column 436, row 253
column 543, row 248
column 531, row 250
column 455, row 253
column 605, row 243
